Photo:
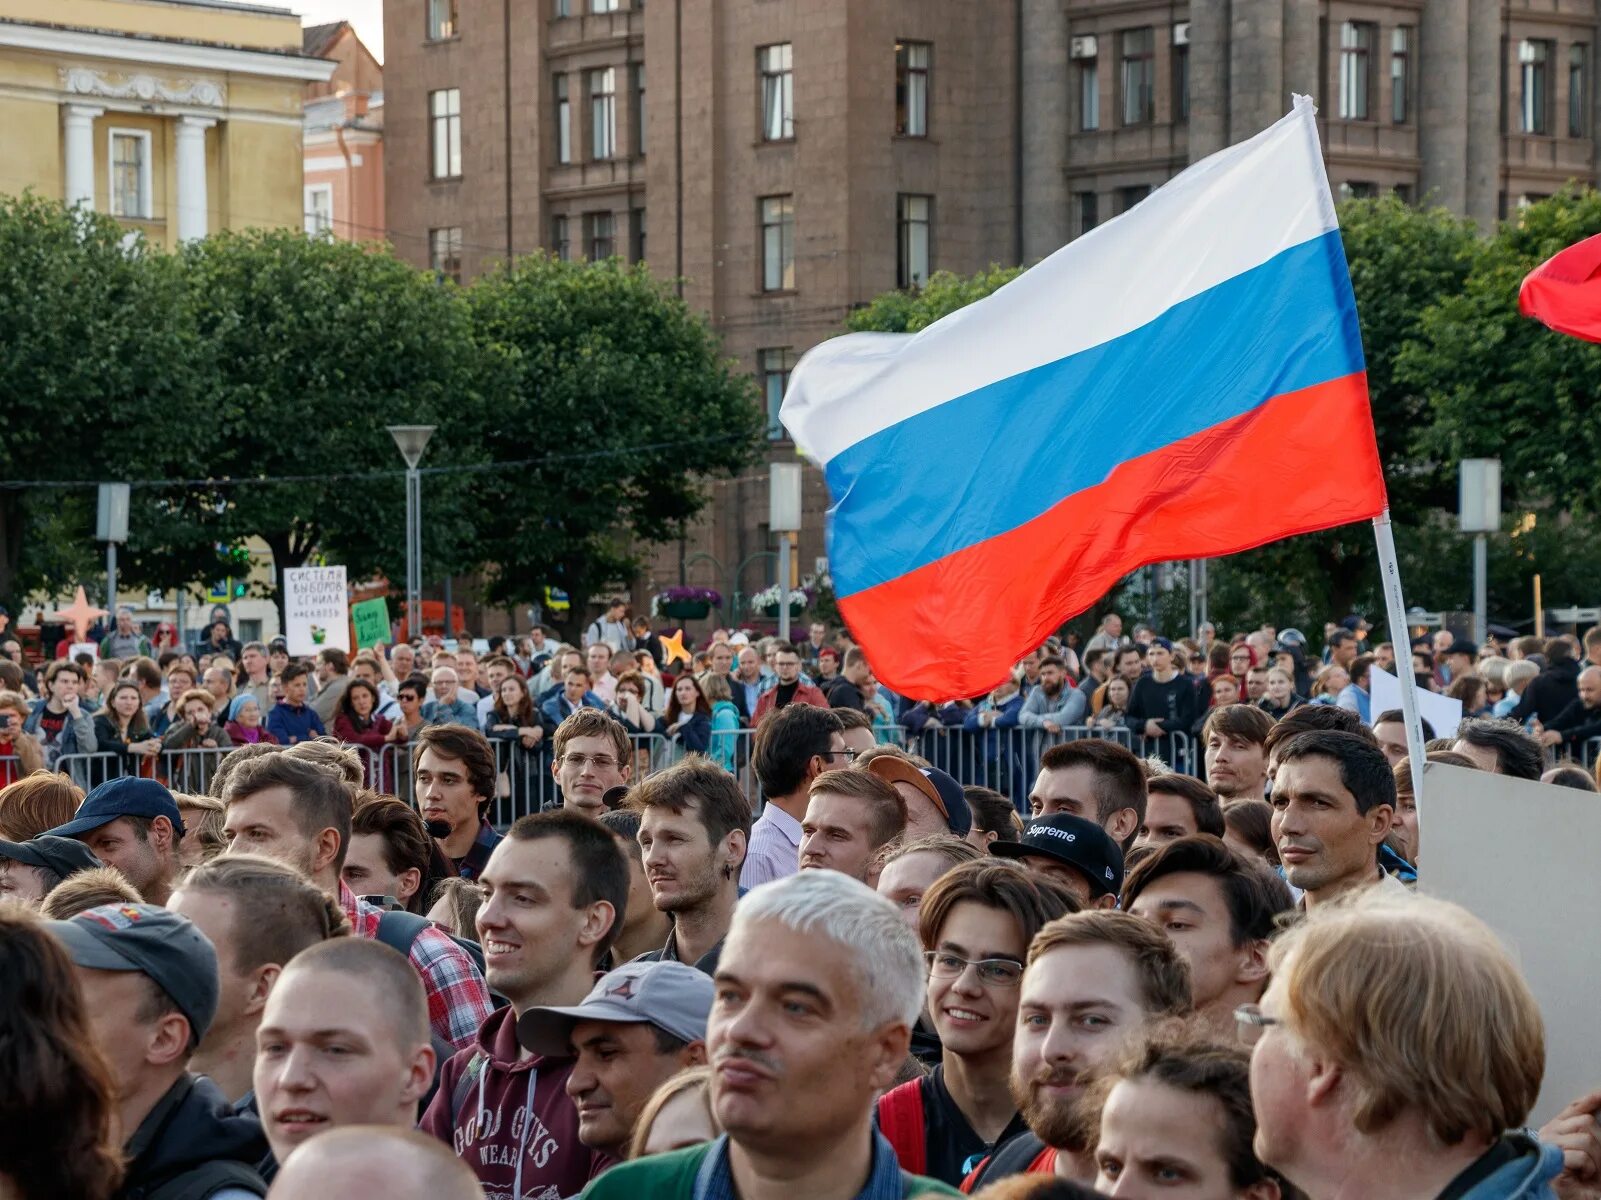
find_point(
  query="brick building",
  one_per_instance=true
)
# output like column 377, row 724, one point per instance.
column 790, row 159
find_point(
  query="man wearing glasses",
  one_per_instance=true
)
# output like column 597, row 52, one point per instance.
column 975, row 924
column 592, row 757
column 793, row 747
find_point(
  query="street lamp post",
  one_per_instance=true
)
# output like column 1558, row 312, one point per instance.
column 1479, row 510
column 412, row 440
column 784, row 519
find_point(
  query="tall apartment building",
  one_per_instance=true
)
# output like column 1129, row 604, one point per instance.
column 791, row 159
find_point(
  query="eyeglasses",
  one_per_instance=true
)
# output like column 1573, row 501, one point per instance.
column 1250, row 1022
column 601, row 762
column 847, row 754
column 992, row 972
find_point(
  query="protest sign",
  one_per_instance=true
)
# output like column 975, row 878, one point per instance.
column 1444, row 713
column 316, row 609
column 371, row 618
column 1487, row 845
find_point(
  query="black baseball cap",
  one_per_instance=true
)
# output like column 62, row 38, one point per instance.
column 162, row 944
column 62, row 855
column 126, row 796
column 1079, row 843
column 1463, row 646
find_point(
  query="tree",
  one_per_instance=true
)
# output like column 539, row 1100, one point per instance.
column 311, row 348
column 96, row 347
column 615, row 401
column 914, row 309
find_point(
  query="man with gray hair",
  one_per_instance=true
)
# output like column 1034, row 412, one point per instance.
column 818, row 986
column 448, row 706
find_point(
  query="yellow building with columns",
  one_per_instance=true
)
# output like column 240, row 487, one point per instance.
column 177, row 117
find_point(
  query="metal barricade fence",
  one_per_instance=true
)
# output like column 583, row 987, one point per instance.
column 187, row 770
column 89, row 771
column 1589, row 753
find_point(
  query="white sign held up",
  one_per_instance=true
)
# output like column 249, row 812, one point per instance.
column 1443, row 713
column 316, row 609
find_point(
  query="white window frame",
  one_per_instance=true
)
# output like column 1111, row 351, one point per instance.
column 602, row 113
column 317, row 189
column 146, row 193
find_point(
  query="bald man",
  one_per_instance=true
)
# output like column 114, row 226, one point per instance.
column 375, row 1160
column 343, row 1040
column 1580, row 720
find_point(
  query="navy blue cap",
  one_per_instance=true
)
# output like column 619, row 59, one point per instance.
column 125, row 797
column 164, row 945
column 62, row 855
column 1078, row 842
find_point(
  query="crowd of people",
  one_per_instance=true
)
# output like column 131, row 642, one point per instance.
column 316, row 971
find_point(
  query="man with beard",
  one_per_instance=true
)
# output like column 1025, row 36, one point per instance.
column 1234, row 741
column 1054, row 705
column 694, row 827
column 1093, row 980
column 817, row 990
column 976, row 924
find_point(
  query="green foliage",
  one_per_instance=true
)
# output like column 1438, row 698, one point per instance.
column 915, row 309
column 619, row 394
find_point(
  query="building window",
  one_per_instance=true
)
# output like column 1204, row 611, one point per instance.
column 444, row 252
column 914, row 61
column 564, row 121
column 1356, row 69
column 562, row 8
column 915, row 221
column 1534, row 74
column 441, row 19
column 130, row 174
column 778, row 243
column 1089, row 210
column 1401, row 75
column 1578, row 89
column 775, row 63
column 605, row 6
column 1404, row 193
column 444, row 115
column 639, row 109
column 603, row 113
column 319, row 209
column 561, row 246
column 1356, row 189
column 1181, row 77
column 773, row 366
column 1137, row 59
column 598, row 236
column 637, row 229
column 1128, row 197
column 1089, row 95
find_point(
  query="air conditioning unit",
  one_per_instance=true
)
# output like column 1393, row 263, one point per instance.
column 1082, row 47
column 1181, row 33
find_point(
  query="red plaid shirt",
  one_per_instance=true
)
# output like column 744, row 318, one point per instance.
column 458, row 1001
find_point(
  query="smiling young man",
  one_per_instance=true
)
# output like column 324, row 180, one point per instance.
column 641, row 1024
column 816, row 994
column 454, row 771
column 343, row 1040
column 694, row 826
column 592, row 756
column 554, row 893
column 850, row 817
column 975, row 926
column 1093, row 980
column 1233, row 738
column 1333, row 805
column 1220, row 911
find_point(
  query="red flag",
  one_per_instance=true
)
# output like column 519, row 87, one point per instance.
column 1564, row 292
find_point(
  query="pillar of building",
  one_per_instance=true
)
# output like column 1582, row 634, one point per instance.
column 1257, row 96
column 191, row 151
column 1443, row 86
column 1048, row 104
column 79, row 121
column 1209, row 79
column 1303, row 73
column 1484, row 149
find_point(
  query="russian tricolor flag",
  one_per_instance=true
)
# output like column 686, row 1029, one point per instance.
column 1186, row 381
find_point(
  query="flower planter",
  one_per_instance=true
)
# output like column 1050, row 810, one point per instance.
column 796, row 611
column 687, row 610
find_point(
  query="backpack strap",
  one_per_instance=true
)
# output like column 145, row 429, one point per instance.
column 398, row 929
column 464, row 1083
column 900, row 1120
column 1014, row 1157
column 206, row 1180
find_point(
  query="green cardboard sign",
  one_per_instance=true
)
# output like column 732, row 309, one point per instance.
column 371, row 618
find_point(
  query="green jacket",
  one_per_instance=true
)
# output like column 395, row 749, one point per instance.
column 672, row 1177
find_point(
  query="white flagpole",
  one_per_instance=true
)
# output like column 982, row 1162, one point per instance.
column 1395, row 608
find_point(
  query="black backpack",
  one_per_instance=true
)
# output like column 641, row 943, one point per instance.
column 201, row 1182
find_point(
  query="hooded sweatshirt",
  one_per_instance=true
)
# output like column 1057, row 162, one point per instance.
column 192, row 1134
column 1515, row 1168
column 510, row 1118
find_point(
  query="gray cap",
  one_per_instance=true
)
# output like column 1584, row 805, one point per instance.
column 674, row 997
column 164, row 945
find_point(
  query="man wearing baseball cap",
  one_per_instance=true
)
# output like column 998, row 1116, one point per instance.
column 134, row 825
column 29, row 870
column 149, row 981
column 934, row 801
column 1076, row 852
column 640, row 1025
